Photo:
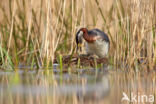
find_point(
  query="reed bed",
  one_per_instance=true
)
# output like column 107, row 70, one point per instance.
column 34, row 32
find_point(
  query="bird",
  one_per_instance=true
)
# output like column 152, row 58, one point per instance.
column 96, row 41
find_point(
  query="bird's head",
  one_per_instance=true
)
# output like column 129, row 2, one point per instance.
column 79, row 38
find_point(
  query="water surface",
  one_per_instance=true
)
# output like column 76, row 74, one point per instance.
column 93, row 86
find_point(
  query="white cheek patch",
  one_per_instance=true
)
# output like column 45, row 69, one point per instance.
column 80, row 34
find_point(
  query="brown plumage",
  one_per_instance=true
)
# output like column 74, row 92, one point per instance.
column 89, row 38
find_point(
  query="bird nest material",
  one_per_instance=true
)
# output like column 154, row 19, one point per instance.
column 82, row 60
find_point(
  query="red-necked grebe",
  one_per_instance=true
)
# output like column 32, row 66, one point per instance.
column 96, row 41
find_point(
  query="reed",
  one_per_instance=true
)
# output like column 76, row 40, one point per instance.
column 34, row 32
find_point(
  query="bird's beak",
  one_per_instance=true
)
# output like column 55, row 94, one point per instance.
column 79, row 46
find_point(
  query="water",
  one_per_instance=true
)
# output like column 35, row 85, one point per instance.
column 87, row 86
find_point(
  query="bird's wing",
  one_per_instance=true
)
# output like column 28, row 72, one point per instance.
column 100, row 33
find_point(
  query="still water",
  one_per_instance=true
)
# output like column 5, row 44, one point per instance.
column 84, row 86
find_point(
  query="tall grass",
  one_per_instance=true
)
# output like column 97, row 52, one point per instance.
column 37, row 31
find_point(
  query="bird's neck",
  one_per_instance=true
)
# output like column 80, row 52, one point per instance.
column 88, row 37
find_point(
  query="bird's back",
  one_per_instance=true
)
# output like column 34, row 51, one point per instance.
column 99, row 47
column 97, row 32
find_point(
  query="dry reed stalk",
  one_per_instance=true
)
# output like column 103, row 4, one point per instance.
column 11, row 29
column 29, row 27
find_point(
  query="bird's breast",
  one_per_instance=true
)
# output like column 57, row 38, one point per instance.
column 99, row 47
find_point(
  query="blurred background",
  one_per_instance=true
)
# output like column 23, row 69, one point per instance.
column 35, row 32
